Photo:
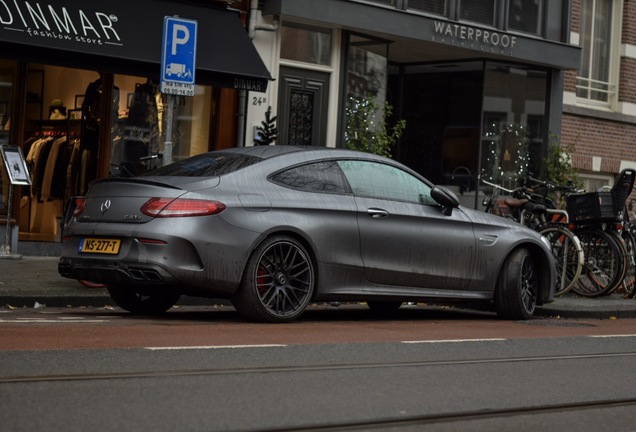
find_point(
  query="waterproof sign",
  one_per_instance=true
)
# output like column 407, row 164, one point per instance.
column 178, row 56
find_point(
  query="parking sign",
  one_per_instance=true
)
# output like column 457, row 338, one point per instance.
column 178, row 56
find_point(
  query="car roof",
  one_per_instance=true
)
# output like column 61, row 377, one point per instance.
column 267, row 151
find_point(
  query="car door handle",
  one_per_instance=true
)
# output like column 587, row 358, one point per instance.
column 377, row 213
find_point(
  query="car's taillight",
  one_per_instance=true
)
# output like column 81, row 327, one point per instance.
column 170, row 207
column 79, row 204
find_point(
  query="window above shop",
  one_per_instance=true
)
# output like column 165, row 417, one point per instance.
column 433, row 6
column 526, row 16
column 481, row 11
column 306, row 44
column 599, row 41
column 535, row 17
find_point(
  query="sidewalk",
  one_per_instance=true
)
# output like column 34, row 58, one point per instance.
column 29, row 280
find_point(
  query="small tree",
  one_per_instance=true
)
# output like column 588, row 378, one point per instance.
column 366, row 128
column 267, row 133
column 558, row 166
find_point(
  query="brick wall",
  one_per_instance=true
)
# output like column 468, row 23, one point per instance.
column 613, row 142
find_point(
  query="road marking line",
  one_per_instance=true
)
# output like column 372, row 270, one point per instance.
column 47, row 321
column 612, row 336
column 214, row 347
column 453, row 341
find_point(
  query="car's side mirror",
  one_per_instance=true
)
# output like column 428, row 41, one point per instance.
column 446, row 198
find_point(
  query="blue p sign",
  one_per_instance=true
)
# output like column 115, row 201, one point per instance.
column 179, row 50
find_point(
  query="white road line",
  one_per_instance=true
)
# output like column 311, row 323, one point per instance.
column 48, row 321
column 612, row 336
column 213, row 347
column 453, row 341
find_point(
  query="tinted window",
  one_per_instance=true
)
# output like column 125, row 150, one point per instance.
column 206, row 165
column 376, row 180
column 482, row 11
column 323, row 177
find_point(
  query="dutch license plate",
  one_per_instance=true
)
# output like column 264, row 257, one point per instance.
column 100, row 246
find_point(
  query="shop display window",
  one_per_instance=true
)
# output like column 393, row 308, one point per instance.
column 7, row 83
column 65, row 146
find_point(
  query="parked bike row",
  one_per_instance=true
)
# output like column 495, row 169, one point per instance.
column 593, row 240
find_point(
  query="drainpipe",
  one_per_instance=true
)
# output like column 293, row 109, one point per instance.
column 242, row 103
column 253, row 26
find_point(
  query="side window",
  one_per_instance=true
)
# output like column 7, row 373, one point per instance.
column 322, row 177
column 376, row 180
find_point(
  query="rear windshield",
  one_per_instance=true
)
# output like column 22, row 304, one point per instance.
column 205, row 165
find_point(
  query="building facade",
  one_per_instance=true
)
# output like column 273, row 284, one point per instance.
column 599, row 111
column 479, row 83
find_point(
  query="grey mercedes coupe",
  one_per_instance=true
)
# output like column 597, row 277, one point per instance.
column 273, row 228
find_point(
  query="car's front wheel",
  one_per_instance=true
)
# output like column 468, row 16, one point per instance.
column 517, row 287
column 278, row 282
column 127, row 298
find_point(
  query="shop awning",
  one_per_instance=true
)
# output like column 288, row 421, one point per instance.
column 124, row 36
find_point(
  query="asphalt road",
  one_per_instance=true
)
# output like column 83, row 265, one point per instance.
column 438, row 372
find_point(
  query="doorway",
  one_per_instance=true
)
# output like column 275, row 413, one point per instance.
column 303, row 102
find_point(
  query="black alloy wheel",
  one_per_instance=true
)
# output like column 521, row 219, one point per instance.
column 278, row 282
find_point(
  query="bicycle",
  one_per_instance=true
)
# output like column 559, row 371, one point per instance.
column 597, row 219
column 566, row 247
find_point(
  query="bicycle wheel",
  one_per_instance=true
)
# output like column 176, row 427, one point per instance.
column 625, row 260
column 568, row 254
column 602, row 268
column 629, row 281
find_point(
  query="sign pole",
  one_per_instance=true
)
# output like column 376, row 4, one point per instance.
column 6, row 248
column 178, row 65
column 167, row 145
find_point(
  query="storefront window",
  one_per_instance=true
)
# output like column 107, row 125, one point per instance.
column 366, row 77
column 306, row 44
column 63, row 140
column 525, row 16
column 514, row 118
column 7, row 82
column 481, row 11
column 140, row 126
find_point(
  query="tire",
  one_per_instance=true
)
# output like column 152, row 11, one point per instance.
column 604, row 263
column 517, row 287
column 620, row 242
column 568, row 254
column 278, row 282
column 629, row 281
column 143, row 304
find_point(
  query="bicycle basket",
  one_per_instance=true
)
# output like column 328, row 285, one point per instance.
column 591, row 207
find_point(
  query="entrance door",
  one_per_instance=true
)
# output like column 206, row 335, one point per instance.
column 302, row 107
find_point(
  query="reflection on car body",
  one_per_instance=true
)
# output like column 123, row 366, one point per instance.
column 273, row 228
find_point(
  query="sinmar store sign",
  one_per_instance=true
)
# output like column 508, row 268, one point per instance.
column 48, row 22
column 132, row 31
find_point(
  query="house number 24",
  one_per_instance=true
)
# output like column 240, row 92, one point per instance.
column 259, row 100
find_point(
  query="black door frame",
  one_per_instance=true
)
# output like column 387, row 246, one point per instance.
column 299, row 82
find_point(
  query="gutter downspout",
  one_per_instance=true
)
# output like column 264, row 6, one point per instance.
column 242, row 102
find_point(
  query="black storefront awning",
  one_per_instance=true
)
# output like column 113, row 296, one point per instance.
column 124, row 36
